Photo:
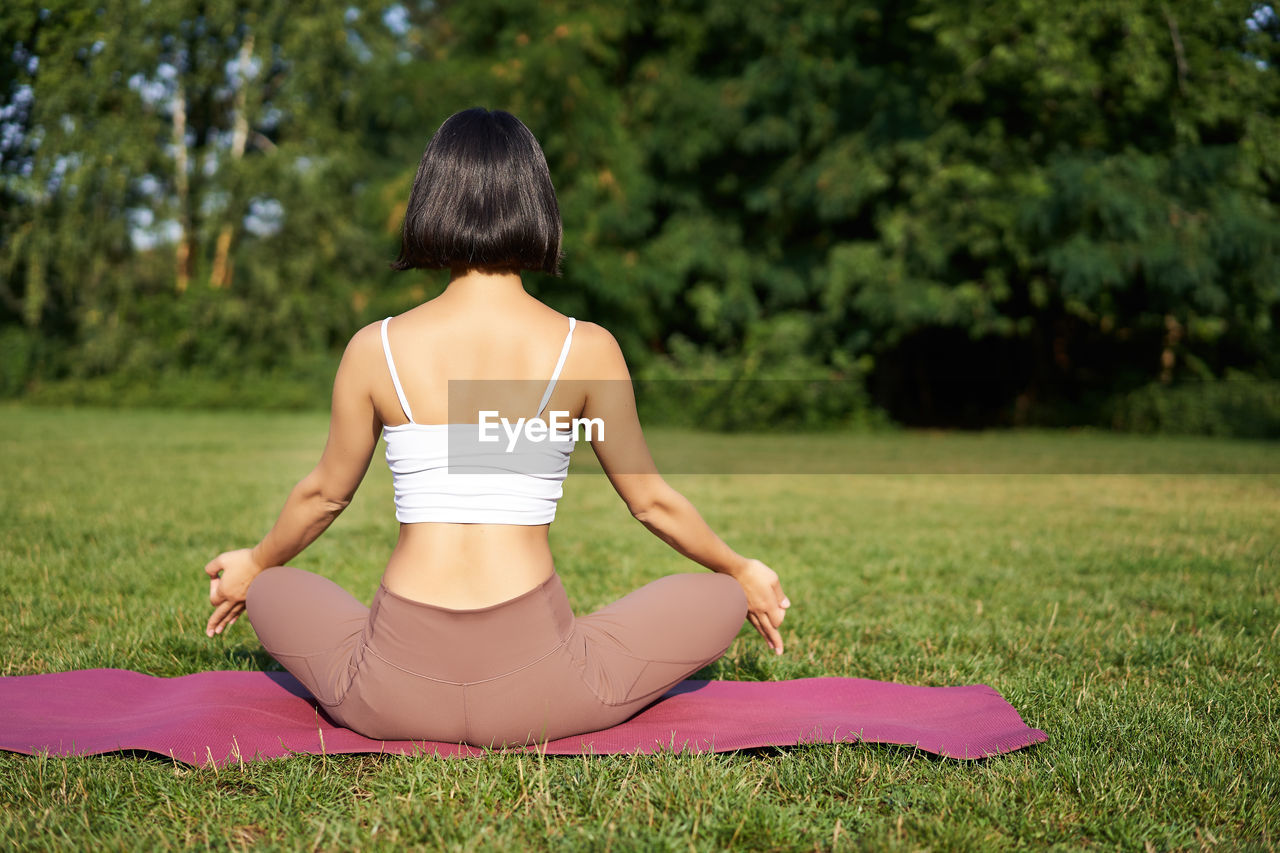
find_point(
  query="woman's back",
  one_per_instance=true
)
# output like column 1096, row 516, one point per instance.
column 483, row 345
column 486, row 331
column 471, row 636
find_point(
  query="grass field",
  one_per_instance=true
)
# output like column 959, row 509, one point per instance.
column 1133, row 616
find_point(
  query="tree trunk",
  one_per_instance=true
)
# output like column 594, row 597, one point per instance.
column 1168, row 355
column 220, row 275
column 185, row 255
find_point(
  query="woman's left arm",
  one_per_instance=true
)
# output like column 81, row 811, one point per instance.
column 319, row 497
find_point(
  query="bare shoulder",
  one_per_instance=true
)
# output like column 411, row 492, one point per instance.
column 593, row 336
column 597, row 351
column 362, row 360
column 366, row 343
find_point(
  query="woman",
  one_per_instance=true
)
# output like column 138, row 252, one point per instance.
column 470, row 637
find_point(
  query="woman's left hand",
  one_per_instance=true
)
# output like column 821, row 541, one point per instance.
column 766, row 603
column 230, row 574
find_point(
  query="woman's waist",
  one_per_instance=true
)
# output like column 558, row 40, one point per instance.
column 468, row 566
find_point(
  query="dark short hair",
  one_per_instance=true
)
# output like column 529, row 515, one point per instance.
column 482, row 199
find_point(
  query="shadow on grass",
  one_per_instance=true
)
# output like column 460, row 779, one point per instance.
column 259, row 659
column 888, row 751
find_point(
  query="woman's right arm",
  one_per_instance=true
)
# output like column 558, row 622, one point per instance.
column 320, row 496
column 625, row 457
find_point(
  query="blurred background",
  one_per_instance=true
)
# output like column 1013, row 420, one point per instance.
column 934, row 213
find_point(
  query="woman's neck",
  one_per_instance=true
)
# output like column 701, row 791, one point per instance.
column 488, row 285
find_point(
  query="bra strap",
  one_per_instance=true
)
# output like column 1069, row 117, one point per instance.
column 395, row 377
column 555, row 375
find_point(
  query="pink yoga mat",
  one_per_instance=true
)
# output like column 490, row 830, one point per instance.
column 225, row 717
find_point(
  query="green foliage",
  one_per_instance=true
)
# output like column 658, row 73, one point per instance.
column 1092, row 185
column 302, row 386
column 1238, row 406
column 768, row 386
column 154, row 131
column 17, row 358
column 1076, row 180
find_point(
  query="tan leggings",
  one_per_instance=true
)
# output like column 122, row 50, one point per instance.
column 522, row 671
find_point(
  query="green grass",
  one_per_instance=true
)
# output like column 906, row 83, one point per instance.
column 1133, row 616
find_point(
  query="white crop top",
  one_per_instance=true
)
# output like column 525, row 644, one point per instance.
column 445, row 473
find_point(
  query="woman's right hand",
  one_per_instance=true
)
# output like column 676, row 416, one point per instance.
column 230, row 574
column 766, row 603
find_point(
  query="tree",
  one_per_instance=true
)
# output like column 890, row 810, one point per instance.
column 1065, row 201
column 1071, row 198
column 221, row 132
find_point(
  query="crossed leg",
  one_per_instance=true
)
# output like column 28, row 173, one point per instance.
column 310, row 625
